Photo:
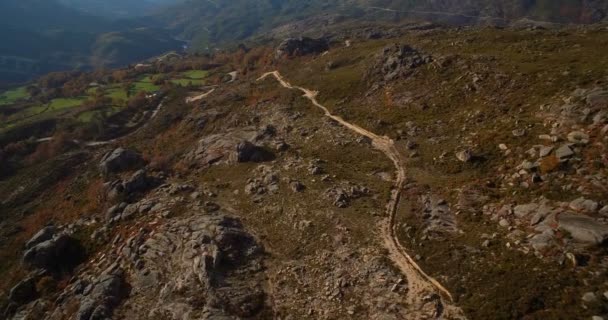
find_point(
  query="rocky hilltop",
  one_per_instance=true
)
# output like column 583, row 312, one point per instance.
column 379, row 172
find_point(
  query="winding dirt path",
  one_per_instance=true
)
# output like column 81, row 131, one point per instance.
column 200, row 96
column 426, row 297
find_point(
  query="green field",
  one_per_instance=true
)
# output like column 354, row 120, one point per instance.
column 195, row 74
column 65, row 103
column 34, row 110
column 116, row 94
column 187, row 82
column 89, row 115
column 145, row 84
column 12, row 96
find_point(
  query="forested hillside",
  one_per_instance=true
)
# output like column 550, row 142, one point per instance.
column 118, row 8
column 43, row 36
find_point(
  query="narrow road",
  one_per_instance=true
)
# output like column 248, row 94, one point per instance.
column 426, row 297
column 200, row 96
column 106, row 142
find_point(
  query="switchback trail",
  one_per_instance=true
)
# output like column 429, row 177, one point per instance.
column 426, row 297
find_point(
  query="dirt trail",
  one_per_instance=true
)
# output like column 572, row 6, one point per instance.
column 200, row 96
column 426, row 297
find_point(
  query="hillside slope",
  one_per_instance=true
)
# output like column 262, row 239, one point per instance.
column 115, row 9
column 43, row 36
column 423, row 173
column 210, row 23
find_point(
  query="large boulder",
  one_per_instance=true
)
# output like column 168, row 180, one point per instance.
column 24, row 291
column 583, row 229
column 301, row 46
column 120, row 160
column 396, row 61
column 137, row 183
column 44, row 234
column 249, row 152
column 59, row 254
column 104, row 296
column 204, row 262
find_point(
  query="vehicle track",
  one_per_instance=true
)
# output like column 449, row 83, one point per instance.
column 426, row 297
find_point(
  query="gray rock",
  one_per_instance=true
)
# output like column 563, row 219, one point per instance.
column 282, row 146
column 60, row 253
column 24, row 292
column 211, row 207
column 528, row 165
column 540, row 214
column 138, row 182
column 519, row 132
column 504, row 223
column 564, row 152
column 578, row 137
column 589, row 297
column 107, row 292
column 129, row 211
column 248, row 152
column 297, row 186
column 525, row 209
column 44, row 234
column 464, row 155
column 543, row 240
column 584, row 205
column 396, row 61
column 315, row 170
column 545, row 151
column 583, row 229
column 114, row 211
column 119, row 160
column 604, row 211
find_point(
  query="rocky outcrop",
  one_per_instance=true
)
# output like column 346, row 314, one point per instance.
column 119, row 160
column 103, row 296
column 207, row 264
column 437, row 215
column 266, row 180
column 342, row 197
column 248, row 152
column 59, row 253
column 231, row 147
column 396, row 61
column 583, row 229
column 24, row 291
column 301, row 46
column 44, row 234
column 139, row 182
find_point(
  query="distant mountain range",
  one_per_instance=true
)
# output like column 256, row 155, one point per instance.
column 118, row 8
column 209, row 23
column 44, row 35
column 39, row 36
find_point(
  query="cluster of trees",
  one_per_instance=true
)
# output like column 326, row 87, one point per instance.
column 65, row 84
column 244, row 59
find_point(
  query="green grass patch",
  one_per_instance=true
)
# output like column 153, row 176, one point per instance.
column 187, row 82
column 144, row 84
column 11, row 96
column 195, row 74
column 65, row 103
column 88, row 116
column 116, row 94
